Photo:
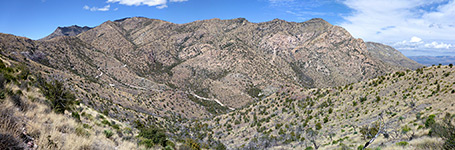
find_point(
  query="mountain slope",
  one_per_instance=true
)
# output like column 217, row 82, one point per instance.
column 332, row 118
column 226, row 61
column 243, row 84
column 391, row 56
column 66, row 31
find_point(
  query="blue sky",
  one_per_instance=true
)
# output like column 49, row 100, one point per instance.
column 415, row 27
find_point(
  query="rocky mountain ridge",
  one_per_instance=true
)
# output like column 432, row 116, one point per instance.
column 178, row 76
column 391, row 56
column 227, row 60
column 66, row 31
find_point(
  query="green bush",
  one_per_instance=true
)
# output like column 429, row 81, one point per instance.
column 154, row 134
column 76, row 116
column 193, row 145
column 402, row 143
column 430, row 121
column 146, row 142
column 116, row 126
column 108, row 133
column 220, row 146
column 445, row 130
column 58, row 97
column 318, row 126
column 405, row 129
column 106, row 122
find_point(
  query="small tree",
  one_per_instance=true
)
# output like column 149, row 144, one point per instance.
column 372, row 132
column 311, row 134
column 58, row 97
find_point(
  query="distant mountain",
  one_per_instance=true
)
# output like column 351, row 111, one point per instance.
column 434, row 60
column 391, row 56
column 67, row 31
column 227, row 61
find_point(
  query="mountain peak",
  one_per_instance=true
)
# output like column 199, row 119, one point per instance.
column 67, row 31
column 317, row 20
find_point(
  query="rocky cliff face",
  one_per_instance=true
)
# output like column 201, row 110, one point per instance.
column 391, row 56
column 67, row 31
column 164, row 69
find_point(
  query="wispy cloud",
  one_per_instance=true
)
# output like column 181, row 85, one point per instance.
column 105, row 8
column 160, row 4
column 405, row 24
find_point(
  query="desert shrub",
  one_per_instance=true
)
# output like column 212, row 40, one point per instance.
column 76, row 116
column 151, row 136
column 58, row 97
column 369, row 132
column 363, row 99
column 402, row 143
column 220, row 146
column 116, row 126
column 106, row 112
column 360, row 147
column 405, row 129
column 318, row 126
column 106, row 122
column 430, row 121
column 108, row 133
column 193, row 145
column 2, row 94
column 10, row 130
column 254, row 91
column 146, row 142
column 2, row 81
column 2, row 65
column 446, row 131
column 418, row 115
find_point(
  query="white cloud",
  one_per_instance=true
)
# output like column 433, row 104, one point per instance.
column 105, row 8
column 415, row 39
column 160, row 4
column 396, row 21
column 438, row 45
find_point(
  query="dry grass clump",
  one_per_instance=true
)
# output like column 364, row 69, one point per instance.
column 27, row 121
column 10, row 129
column 427, row 143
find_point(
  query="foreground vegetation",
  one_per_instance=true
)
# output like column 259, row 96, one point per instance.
column 401, row 110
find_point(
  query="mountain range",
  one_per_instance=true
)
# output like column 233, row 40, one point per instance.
column 181, row 76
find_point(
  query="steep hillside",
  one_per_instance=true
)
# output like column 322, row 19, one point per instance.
column 66, row 31
column 406, row 103
column 37, row 114
column 391, row 56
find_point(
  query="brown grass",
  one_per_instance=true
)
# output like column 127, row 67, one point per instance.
column 51, row 130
